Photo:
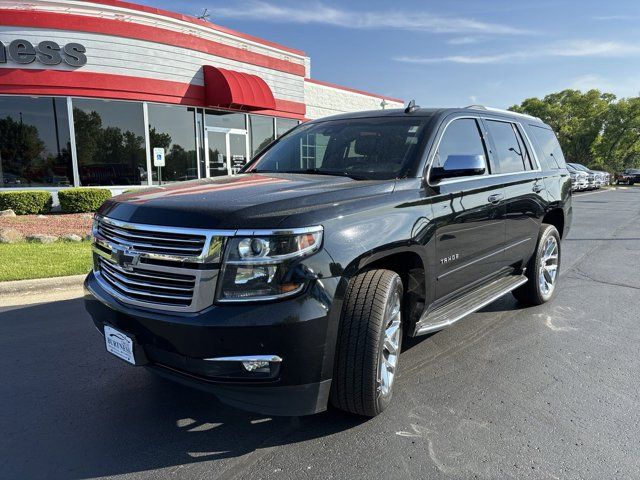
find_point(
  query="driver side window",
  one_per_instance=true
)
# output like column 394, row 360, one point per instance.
column 461, row 138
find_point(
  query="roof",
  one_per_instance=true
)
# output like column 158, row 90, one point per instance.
column 430, row 112
column 195, row 21
column 352, row 90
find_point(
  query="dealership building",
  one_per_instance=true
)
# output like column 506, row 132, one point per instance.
column 90, row 90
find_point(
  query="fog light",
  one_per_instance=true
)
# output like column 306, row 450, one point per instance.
column 255, row 365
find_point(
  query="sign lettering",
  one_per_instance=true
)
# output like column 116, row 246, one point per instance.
column 46, row 52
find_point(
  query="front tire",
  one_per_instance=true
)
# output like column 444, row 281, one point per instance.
column 369, row 342
column 542, row 270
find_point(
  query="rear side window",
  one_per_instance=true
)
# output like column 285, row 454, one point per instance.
column 510, row 152
column 549, row 150
column 462, row 137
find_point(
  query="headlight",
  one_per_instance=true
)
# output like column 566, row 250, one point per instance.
column 259, row 266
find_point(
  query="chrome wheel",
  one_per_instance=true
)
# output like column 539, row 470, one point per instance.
column 391, row 343
column 548, row 266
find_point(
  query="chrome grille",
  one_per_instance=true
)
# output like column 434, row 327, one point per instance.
column 157, row 267
column 151, row 239
column 149, row 286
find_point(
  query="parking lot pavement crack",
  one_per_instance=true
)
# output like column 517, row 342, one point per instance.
column 583, row 274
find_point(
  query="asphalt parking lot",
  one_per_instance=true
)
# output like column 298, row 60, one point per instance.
column 545, row 392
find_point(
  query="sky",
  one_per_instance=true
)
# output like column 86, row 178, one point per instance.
column 449, row 53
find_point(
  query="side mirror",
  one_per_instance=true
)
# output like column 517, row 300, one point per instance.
column 459, row 166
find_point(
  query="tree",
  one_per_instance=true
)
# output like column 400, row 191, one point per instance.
column 577, row 118
column 618, row 147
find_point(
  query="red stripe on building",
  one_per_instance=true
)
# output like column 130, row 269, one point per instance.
column 195, row 21
column 122, row 87
column 352, row 90
column 119, row 28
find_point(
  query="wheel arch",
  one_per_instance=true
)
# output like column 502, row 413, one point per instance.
column 409, row 265
column 556, row 218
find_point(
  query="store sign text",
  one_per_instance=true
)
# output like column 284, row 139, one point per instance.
column 45, row 52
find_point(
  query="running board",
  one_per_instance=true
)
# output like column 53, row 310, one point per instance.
column 461, row 307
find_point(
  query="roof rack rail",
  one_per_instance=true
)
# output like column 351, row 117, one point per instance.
column 501, row 110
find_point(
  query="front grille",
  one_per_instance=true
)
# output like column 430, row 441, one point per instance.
column 142, row 285
column 157, row 267
column 149, row 239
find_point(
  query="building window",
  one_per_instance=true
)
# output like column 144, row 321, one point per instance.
column 217, row 118
column 262, row 132
column 173, row 129
column 34, row 142
column 283, row 125
column 110, row 142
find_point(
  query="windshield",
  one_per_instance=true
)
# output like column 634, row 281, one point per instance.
column 364, row 148
column 633, row 170
column 577, row 166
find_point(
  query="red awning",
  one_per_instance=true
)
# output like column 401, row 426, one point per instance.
column 230, row 89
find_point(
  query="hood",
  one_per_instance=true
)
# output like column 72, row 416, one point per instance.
column 255, row 200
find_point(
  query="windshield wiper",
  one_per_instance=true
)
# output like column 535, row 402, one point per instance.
column 317, row 171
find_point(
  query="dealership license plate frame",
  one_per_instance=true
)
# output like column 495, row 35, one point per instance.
column 119, row 344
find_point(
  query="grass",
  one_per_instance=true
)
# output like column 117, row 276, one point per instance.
column 24, row 260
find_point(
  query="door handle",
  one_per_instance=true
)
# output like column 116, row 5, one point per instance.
column 537, row 187
column 495, row 198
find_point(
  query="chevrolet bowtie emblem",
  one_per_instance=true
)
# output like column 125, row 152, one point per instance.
column 124, row 258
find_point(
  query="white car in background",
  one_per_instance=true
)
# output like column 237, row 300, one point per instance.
column 579, row 179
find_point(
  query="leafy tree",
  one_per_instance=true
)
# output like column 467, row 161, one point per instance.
column 576, row 117
column 19, row 141
column 159, row 139
column 88, row 127
column 618, row 147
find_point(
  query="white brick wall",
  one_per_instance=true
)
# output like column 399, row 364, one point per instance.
column 323, row 100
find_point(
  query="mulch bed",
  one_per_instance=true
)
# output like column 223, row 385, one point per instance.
column 53, row 224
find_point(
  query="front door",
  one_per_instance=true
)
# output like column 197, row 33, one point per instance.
column 226, row 151
column 469, row 214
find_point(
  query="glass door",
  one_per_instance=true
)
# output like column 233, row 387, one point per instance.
column 216, row 154
column 226, row 151
column 237, row 151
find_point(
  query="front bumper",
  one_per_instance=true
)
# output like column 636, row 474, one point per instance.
column 302, row 331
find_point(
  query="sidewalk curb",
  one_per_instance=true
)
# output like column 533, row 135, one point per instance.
column 24, row 292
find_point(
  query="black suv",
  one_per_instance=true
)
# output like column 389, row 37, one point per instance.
column 292, row 284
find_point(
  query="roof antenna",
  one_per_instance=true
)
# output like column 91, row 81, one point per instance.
column 411, row 107
column 204, row 15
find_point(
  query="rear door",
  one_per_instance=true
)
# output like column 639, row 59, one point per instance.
column 554, row 168
column 525, row 190
column 468, row 211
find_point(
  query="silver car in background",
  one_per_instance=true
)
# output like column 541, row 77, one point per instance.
column 604, row 178
column 579, row 179
column 593, row 180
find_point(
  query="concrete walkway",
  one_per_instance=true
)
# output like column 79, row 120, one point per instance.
column 41, row 290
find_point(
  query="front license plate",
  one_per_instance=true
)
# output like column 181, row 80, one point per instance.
column 119, row 344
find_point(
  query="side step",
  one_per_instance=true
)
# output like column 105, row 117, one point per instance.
column 461, row 307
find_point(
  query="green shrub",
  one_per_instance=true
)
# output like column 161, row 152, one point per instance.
column 26, row 202
column 80, row 200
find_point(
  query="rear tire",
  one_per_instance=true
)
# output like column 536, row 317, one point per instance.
column 542, row 270
column 369, row 342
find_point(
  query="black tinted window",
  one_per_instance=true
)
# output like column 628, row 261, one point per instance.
column 35, row 145
column 110, row 142
column 283, row 125
column 549, row 149
column 509, row 152
column 262, row 133
column 462, row 137
column 367, row 148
